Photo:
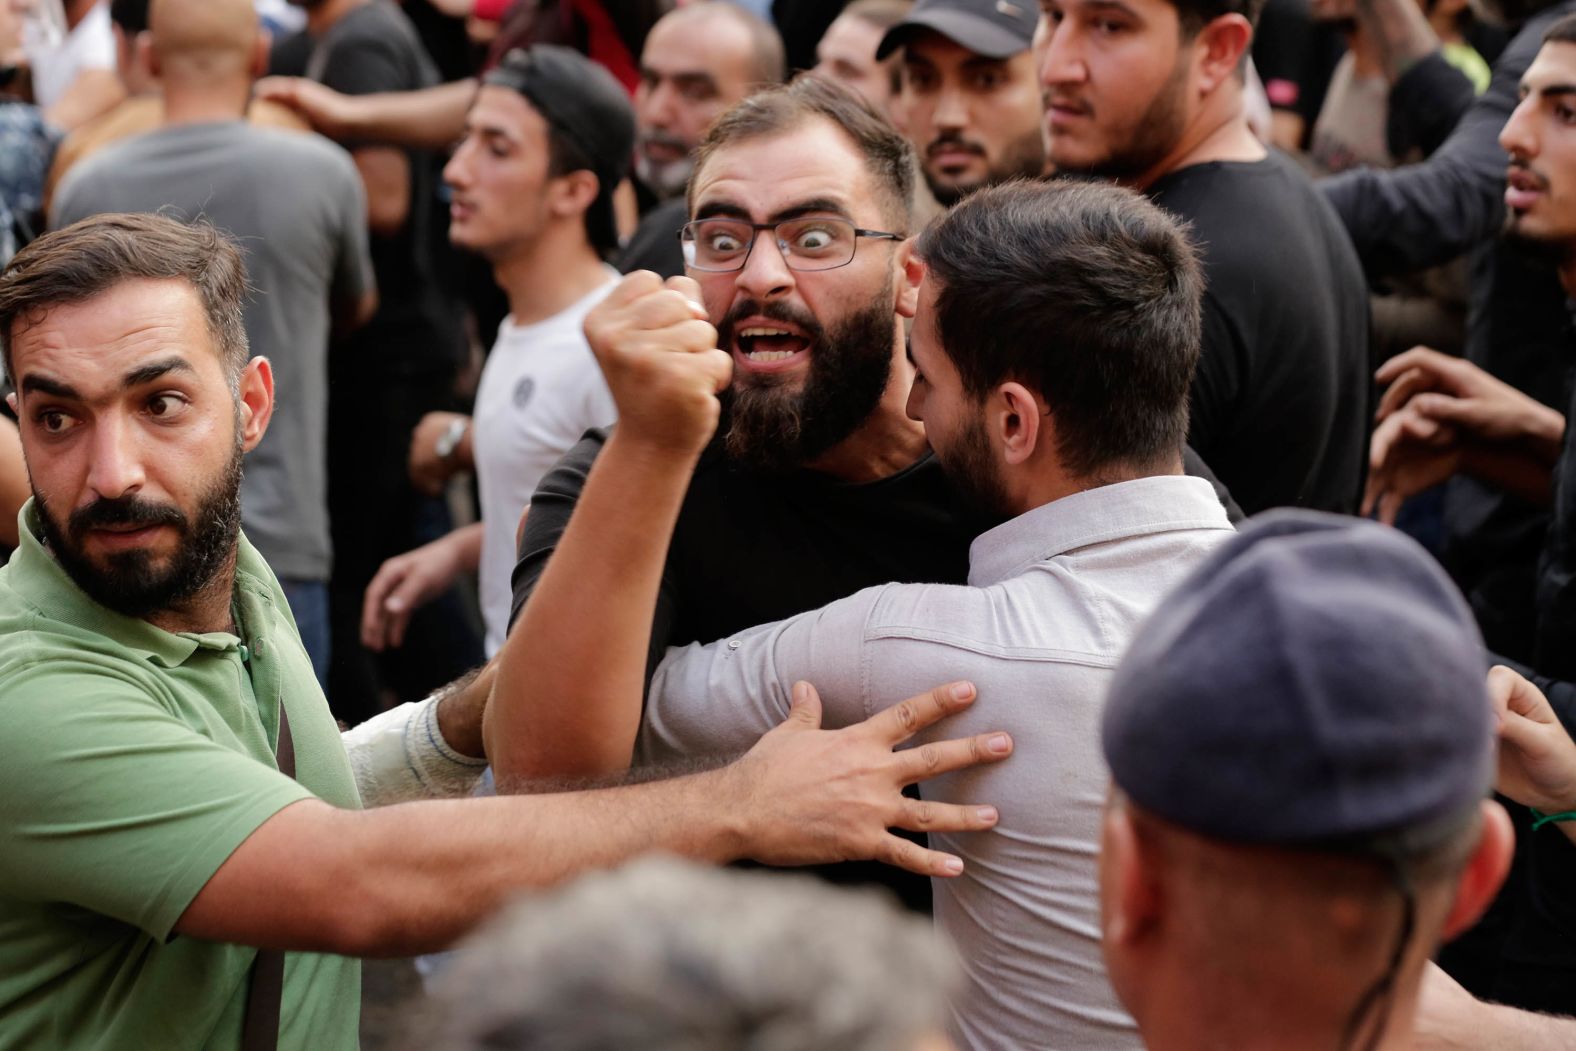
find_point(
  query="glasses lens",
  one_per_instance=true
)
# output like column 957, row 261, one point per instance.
column 716, row 244
column 817, row 243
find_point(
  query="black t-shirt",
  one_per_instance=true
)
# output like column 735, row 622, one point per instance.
column 655, row 243
column 1283, row 394
column 1555, row 644
column 416, row 330
column 1295, row 57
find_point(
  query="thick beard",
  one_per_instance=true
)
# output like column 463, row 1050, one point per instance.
column 971, row 468
column 1023, row 159
column 131, row 584
column 772, row 428
column 1156, row 132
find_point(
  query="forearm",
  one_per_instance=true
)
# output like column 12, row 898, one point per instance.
column 466, row 544
column 571, row 677
column 1515, row 469
column 428, row 119
column 1400, row 33
column 414, row 877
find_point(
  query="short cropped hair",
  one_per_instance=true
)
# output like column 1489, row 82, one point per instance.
column 888, row 155
column 87, row 258
column 1196, row 14
column 1562, row 32
column 1087, row 294
column 671, row 956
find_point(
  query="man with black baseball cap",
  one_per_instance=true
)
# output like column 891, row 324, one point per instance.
column 548, row 138
column 970, row 97
column 1302, row 745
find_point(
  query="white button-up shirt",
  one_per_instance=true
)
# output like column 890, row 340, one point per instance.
column 1053, row 598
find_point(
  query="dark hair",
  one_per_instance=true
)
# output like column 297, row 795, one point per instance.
column 1562, row 32
column 90, row 257
column 565, row 156
column 130, row 15
column 887, row 154
column 1086, row 293
column 1196, row 14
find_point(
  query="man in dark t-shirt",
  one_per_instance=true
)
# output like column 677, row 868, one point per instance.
column 1150, row 95
column 385, row 377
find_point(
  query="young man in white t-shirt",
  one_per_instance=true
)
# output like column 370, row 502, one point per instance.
column 547, row 139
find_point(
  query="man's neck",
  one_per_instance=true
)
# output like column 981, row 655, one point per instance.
column 1049, row 484
column 209, row 610
column 886, row 443
column 206, row 103
column 1218, row 132
column 320, row 18
column 550, row 274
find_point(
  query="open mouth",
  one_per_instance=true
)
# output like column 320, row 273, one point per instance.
column 769, row 346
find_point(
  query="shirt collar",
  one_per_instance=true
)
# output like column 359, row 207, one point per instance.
column 1141, row 507
column 44, row 584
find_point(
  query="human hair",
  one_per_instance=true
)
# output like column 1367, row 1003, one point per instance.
column 888, row 155
column 87, row 258
column 1562, row 32
column 564, row 155
column 1196, row 14
column 1086, row 293
column 665, row 955
column 130, row 15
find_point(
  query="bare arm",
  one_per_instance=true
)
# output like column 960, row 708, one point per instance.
column 1399, row 30
column 1450, row 1019
column 571, row 677
column 414, row 877
column 431, row 118
column 385, row 172
column 93, row 92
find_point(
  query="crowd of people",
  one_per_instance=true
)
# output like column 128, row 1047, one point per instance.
column 1119, row 531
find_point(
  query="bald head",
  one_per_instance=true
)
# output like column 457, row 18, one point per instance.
column 202, row 40
column 762, row 47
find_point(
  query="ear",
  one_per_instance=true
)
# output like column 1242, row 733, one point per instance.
column 256, row 401
column 260, row 49
column 911, row 272
column 573, row 193
column 10, row 400
column 1221, row 45
column 1129, row 897
column 1484, row 872
column 1016, row 416
column 146, row 57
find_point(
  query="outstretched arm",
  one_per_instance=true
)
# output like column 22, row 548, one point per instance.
column 431, row 118
column 571, row 677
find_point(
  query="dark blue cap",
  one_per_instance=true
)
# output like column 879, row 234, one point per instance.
column 1316, row 682
column 993, row 28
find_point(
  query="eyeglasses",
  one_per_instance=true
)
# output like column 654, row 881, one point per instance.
column 815, row 243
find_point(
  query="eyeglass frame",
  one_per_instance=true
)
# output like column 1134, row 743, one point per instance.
column 756, row 228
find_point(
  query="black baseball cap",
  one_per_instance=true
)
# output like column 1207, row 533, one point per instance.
column 993, row 28
column 583, row 102
column 1316, row 683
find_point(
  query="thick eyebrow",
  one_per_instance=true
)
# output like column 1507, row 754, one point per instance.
column 155, row 370
column 814, row 206
column 1549, row 91
column 36, row 384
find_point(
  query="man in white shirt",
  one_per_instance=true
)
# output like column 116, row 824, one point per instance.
column 1068, row 410
column 546, row 141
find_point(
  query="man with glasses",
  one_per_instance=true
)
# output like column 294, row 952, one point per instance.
column 1063, row 420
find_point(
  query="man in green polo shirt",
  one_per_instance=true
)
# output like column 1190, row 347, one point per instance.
column 149, row 844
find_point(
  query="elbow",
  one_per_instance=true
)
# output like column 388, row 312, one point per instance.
column 386, row 213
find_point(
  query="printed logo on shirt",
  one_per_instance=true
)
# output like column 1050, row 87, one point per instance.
column 523, row 391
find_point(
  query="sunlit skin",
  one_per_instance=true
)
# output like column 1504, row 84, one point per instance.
column 1540, row 136
column 693, row 67
column 124, row 394
column 973, row 119
column 847, row 54
column 1126, row 95
column 497, row 174
column 810, row 170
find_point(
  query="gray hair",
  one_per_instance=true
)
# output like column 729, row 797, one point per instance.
column 666, row 955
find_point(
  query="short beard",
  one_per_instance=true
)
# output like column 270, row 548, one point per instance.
column 1022, row 159
column 664, row 180
column 1154, row 136
column 771, row 428
column 971, row 468
column 131, row 584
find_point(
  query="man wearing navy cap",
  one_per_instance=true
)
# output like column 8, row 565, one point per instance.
column 969, row 98
column 1302, row 746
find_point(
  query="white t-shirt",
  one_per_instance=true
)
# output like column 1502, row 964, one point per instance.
column 90, row 45
column 540, row 391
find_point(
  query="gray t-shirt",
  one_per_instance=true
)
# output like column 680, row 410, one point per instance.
column 295, row 203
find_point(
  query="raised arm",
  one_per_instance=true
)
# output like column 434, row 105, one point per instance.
column 414, row 877
column 571, row 676
column 431, row 118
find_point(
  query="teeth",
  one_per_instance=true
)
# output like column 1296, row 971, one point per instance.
column 769, row 355
column 753, row 332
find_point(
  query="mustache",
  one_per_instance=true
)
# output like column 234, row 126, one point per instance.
column 1077, row 105
column 124, row 511
column 654, row 137
column 952, row 140
column 748, row 308
column 1525, row 170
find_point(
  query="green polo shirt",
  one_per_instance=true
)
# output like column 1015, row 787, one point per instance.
column 132, row 763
